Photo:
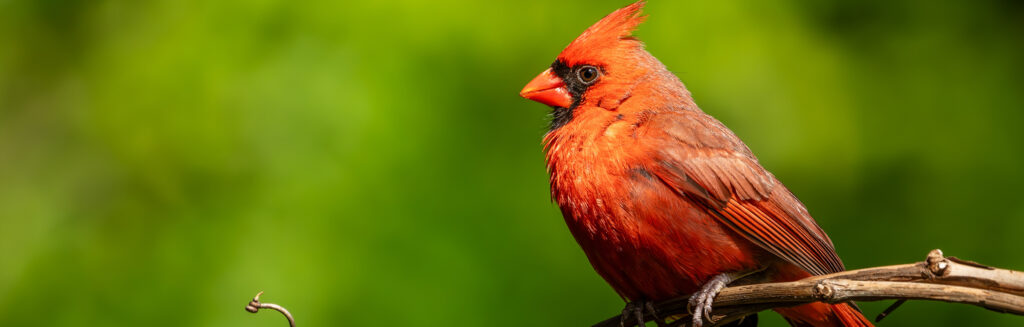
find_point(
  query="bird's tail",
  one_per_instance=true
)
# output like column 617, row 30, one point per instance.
column 824, row 315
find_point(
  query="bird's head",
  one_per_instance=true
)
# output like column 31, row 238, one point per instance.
column 598, row 69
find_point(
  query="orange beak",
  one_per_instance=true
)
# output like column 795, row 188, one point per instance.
column 548, row 89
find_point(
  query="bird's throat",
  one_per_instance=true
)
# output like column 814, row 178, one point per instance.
column 561, row 116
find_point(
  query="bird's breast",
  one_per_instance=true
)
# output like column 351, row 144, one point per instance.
column 582, row 174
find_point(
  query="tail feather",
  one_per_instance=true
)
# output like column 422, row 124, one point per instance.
column 824, row 315
column 850, row 315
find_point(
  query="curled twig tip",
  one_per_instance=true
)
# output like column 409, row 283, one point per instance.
column 255, row 305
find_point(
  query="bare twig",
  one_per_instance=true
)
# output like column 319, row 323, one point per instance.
column 890, row 309
column 938, row 278
column 255, row 306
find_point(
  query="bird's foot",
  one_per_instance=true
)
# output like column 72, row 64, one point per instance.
column 636, row 310
column 700, row 302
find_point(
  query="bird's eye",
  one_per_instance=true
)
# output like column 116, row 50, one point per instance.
column 587, row 74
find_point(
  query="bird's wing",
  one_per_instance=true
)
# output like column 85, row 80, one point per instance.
column 704, row 161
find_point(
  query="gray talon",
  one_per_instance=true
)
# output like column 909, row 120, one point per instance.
column 702, row 300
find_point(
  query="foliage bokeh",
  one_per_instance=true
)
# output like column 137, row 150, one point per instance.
column 370, row 163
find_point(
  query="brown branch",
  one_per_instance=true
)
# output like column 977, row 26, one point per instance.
column 938, row 278
column 255, row 306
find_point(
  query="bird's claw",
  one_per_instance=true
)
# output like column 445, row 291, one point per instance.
column 631, row 309
column 654, row 313
column 636, row 310
column 700, row 303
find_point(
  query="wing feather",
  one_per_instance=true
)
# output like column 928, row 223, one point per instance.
column 704, row 161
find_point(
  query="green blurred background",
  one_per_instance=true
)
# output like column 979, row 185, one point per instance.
column 371, row 163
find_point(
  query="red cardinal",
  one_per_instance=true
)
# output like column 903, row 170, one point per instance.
column 664, row 199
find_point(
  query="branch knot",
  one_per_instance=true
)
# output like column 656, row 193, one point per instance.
column 937, row 263
column 825, row 291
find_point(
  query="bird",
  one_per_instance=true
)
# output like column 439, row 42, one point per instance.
column 665, row 200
